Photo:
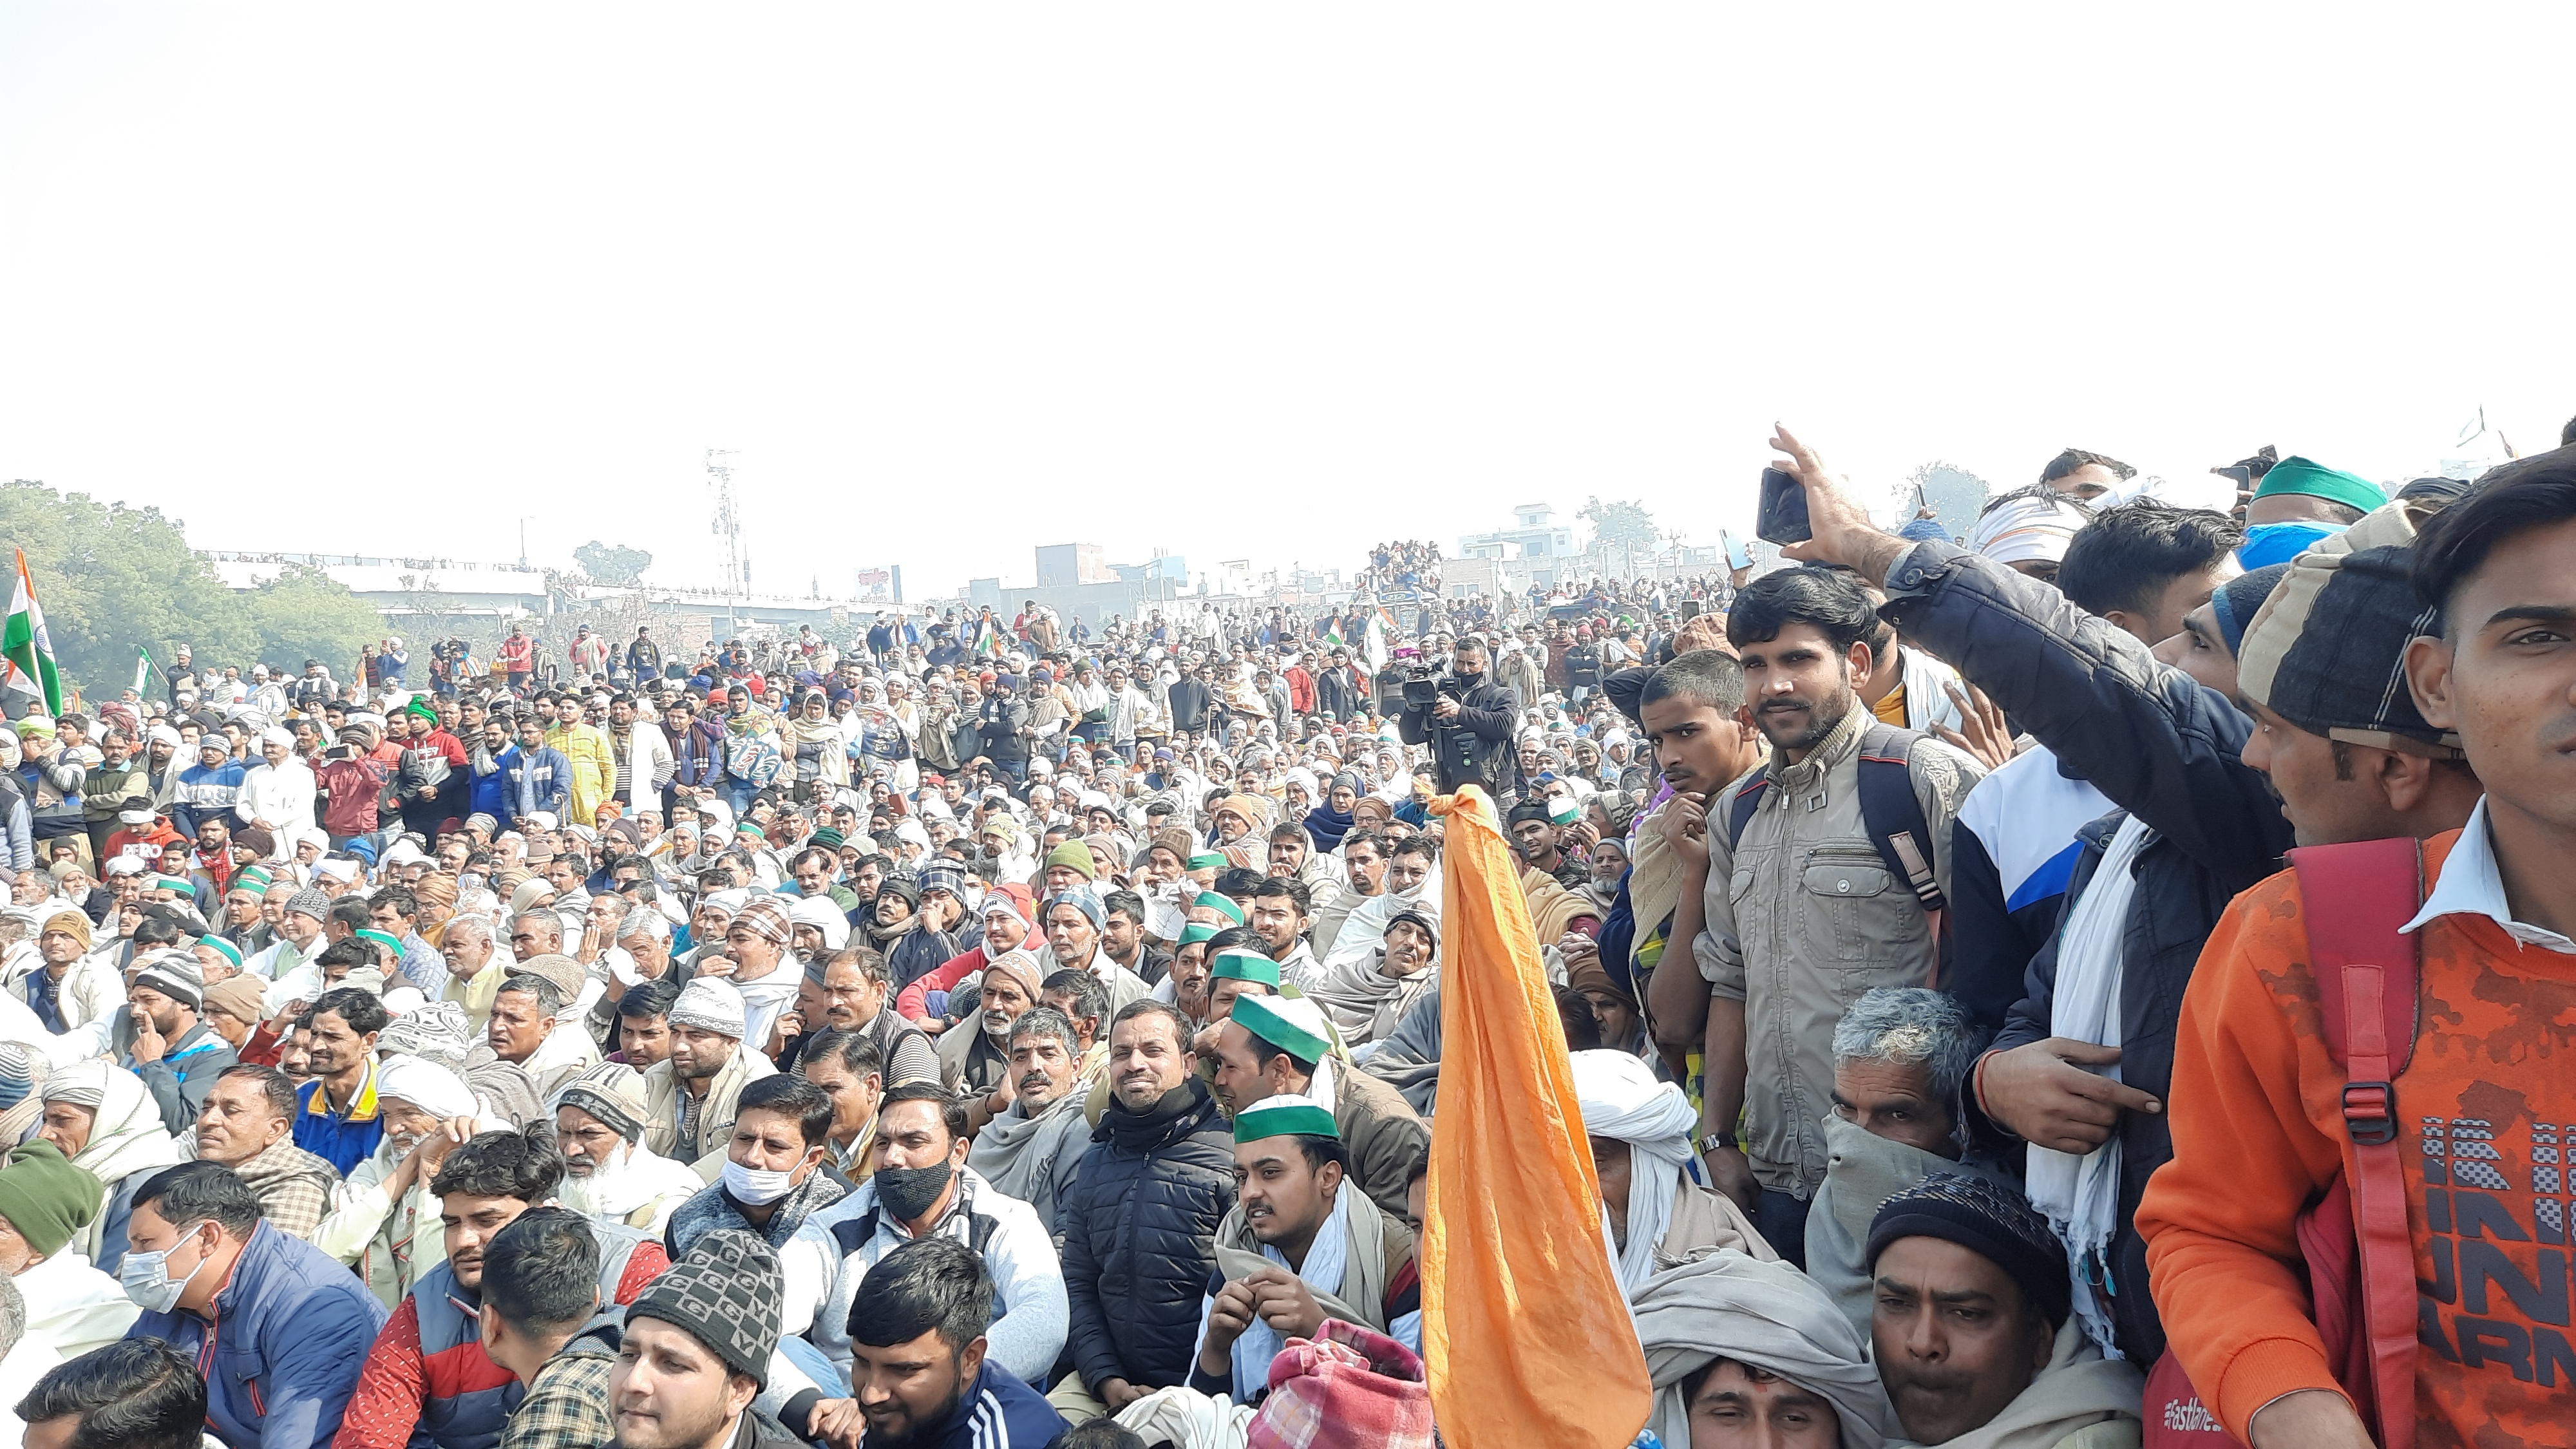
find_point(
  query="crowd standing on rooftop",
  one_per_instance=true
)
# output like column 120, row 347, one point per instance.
column 997, row 1031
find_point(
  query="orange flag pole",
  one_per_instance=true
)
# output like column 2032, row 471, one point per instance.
column 1525, row 1332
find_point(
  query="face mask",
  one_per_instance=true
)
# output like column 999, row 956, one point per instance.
column 908, row 1192
column 756, row 1185
column 146, row 1276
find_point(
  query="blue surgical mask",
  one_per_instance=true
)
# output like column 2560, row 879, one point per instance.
column 146, row 1276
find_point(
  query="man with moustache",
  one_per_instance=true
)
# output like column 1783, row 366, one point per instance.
column 1823, row 917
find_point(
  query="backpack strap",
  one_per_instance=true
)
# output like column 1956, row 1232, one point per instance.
column 1893, row 813
column 2366, row 971
column 1747, row 801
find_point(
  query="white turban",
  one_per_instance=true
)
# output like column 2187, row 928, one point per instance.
column 1620, row 1097
column 2033, row 525
column 820, row 913
column 426, row 1085
column 275, row 736
column 1767, row 1316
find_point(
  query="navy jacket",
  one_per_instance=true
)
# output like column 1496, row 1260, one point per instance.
column 1139, row 1231
column 2160, row 746
column 290, row 1332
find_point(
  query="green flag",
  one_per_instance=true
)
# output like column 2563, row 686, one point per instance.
column 26, row 651
column 142, row 667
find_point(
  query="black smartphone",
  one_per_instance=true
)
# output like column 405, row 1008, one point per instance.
column 1690, row 610
column 1782, row 515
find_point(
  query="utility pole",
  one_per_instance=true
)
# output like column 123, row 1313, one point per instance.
column 728, row 528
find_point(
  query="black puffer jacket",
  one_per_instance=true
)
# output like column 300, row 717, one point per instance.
column 1139, row 1237
column 2160, row 746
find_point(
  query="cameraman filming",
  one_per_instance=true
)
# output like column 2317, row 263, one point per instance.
column 1467, row 720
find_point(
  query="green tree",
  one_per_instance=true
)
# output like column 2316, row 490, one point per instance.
column 112, row 578
column 1620, row 522
column 305, row 613
column 612, row 564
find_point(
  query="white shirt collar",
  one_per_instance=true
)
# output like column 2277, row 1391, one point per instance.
column 2470, row 885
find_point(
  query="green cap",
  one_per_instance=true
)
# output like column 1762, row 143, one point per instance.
column 224, row 948
column 1207, row 860
column 1241, row 965
column 1284, row 1116
column 1292, row 1024
column 1561, row 810
column 252, row 876
column 1196, row 932
column 1221, row 905
column 45, row 1198
column 381, row 939
column 2315, row 480
column 171, row 883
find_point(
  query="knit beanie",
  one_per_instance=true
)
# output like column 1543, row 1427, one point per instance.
column 2239, row 599
column 309, row 902
column 175, row 974
column 1986, row 1217
column 46, row 1198
column 69, row 920
column 724, row 1293
column 612, row 1092
column 710, row 1003
column 17, row 1076
column 1074, row 856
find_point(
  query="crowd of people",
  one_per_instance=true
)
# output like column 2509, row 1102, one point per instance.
column 1028, row 1032
column 1409, row 565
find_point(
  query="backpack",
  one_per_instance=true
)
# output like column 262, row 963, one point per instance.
column 2360, row 1258
column 1889, row 811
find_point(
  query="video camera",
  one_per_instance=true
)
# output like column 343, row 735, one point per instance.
column 1423, row 686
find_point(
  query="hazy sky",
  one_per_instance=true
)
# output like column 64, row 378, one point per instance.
column 1236, row 281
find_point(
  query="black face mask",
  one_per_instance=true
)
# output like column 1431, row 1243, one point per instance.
column 908, row 1192
column 1465, row 680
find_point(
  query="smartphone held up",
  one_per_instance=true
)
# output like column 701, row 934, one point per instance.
column 1781, row 517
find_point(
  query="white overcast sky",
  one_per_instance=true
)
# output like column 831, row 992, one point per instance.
column 1238, row 281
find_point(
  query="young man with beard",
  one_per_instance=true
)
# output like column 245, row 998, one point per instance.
column 690, row 1097
column 1299, row 1246
column 1159, row 1175
column 1031, row 1150
column 775, row 1174
column 921, row 1189
column 1364, row 866
column 427, row 1379
column 922, row 1372
column 336, row 1115
column 1281, row 1046
column 177, row 1055
column 1792, row 920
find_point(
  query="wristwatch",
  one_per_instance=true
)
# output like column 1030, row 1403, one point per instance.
column 1711, row 1141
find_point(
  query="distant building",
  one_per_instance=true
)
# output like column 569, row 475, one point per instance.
column 1534, row 533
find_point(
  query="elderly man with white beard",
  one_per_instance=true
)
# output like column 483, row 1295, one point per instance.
column 385, row 1223
column 610, row 1175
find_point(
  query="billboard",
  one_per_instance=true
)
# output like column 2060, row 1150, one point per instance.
column 879, row 585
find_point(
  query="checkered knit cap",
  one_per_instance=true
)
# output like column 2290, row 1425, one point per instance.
column 725, row 1294
column 1988, row 1218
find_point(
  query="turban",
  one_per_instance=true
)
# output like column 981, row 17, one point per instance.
column 435, row 1031
column 727, row 901
column 566, row 973
column 2033, row 525
column 275, row 736
column 764, row 917
column 1620, row 1098
column 820, row 913
column 433, row 1088
column 710, row 1003
column 1767, row 1316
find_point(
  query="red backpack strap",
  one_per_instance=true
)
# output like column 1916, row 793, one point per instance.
column 2356, row 897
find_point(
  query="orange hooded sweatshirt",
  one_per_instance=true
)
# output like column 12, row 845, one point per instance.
column 2258, row 1135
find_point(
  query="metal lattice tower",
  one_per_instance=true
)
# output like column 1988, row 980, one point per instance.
column 728, row 528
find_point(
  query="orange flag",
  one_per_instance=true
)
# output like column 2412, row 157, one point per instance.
column 1524, row 1329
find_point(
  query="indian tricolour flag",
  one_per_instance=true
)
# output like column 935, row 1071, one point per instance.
column 26, row 650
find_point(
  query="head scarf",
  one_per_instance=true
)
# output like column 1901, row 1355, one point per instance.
column 2033, row 525
column 1620, row 1098
column 820, row 913
column 1764, row 1315
column 127, row 1136
column 425, row 1084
